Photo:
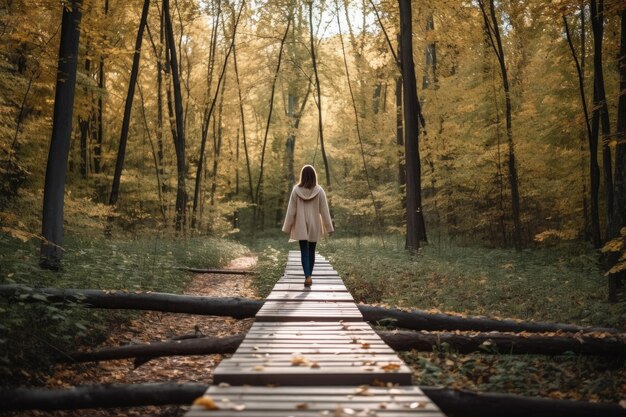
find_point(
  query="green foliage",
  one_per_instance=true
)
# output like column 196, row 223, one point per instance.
column 272, row 257
column 563, row 284
column 562, row 377
column 32, row 335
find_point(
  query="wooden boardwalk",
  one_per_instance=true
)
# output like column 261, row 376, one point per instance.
column 309, row 353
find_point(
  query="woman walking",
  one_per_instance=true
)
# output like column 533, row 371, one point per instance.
column 308, row 218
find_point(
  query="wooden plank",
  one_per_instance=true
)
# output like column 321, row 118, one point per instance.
column 307, row 377
column 317, row 287
column 305, row 296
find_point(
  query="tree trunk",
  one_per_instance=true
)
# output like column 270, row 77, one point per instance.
column 217, row 149
column 258, row 196
column 583, row 99
column 84, row 138
column 187, row 347
column 454, row 403
column 121, row 152
column 243, row 308
column 493, row 29
column 496, row 343
column 243, row 126
column 411, row 130
column 319, row 98
column 619, row 202
column 205, row 123
column 506, row 343
column 600, row 108
column 179, row 142
column 56, row 169
column 358, row 133
column 97, row 149
column 422, row 320
column 461, row 403
column 231, row 306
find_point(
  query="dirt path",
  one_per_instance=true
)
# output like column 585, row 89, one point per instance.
column 154, row 326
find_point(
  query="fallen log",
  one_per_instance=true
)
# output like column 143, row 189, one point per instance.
column 511, row 343
column 238, row 307
column 611, row 346
column 100, row 396
column 185, row 347
column 217, row 271
column 462, row 403
column 422, row 320
column 454, row 403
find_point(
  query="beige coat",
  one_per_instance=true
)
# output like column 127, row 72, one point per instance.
column 308, row 217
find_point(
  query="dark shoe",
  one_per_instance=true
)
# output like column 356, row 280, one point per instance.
column 308, row 281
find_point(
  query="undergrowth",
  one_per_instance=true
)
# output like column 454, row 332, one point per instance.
column 33, row 335
column 561, row 377
column 563, row 284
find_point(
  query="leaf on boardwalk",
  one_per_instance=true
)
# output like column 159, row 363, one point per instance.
column 365, row 345
column 259, row 368
column 302, row 406
column 206, row 402
column 315, row 365
column 299, row 361
column 364, row 391
column 391, row 367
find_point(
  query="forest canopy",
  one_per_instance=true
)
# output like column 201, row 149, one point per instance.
column 230, row 98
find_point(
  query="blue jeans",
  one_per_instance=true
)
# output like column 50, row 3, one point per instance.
column 307, row 254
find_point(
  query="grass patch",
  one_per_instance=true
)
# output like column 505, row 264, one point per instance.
column 272, row 251
column 563, row 284
column 561, row 377
column 33, row 335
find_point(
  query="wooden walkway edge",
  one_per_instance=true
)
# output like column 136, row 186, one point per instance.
column 309, row 353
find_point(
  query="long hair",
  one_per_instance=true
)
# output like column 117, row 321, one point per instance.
column 308, row 177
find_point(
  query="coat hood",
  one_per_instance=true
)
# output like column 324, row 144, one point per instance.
column 307, row 193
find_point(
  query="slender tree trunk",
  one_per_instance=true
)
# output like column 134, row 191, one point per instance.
column 619, row 203
column 155, row 156
column 581, row 89
column 319, row 98
column 179, row 142
column 358, row 132
column 218, row 146
column 207, row 117
column 259, row 187
column 597, row 25
column 121, row 153
column 84, row 136
column 600, row 108
column 400, row 134
column 243, row 127
column 97, row 149
column 411, row 131
column 493, row 30
column 56, row 170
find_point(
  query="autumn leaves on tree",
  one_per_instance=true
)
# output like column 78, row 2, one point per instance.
column 232, row 98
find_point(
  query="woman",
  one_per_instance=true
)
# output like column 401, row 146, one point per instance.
column 308, row 218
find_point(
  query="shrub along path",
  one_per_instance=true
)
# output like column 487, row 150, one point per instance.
column 153, row 326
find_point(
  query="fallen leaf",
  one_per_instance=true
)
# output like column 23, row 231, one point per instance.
column 364, row 391
column 315, row 365
column 365, row 345
column 206, row 402
column 390, row 367
column 302, row 406
column 259, row 368
column 299, row 361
